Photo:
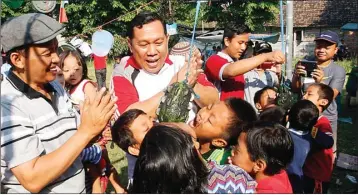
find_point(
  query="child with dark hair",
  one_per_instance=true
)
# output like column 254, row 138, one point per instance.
column 274, row 114
column 264, row 150
column 128, row 133
column 265, row 98
column 218, row 125
column 318, row 167
column 169, row 163
column 302, row 117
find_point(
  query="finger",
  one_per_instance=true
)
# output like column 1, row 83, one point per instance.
column 105, row 100
column 110, row 113
column 109, row 107
column 99, row 96
column 84, row 105
column 300, row 67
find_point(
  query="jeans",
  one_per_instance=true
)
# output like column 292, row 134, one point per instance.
column 101, row 77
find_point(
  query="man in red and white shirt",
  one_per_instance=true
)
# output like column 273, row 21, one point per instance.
column 225, row 69
column 139, row 80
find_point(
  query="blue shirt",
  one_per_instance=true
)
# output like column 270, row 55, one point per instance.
column 302, row 145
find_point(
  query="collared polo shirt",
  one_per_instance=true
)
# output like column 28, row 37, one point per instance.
column 33, row 125
column 230, row 87
column 131, row 84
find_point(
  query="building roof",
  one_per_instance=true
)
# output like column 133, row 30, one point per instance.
column 321, row 13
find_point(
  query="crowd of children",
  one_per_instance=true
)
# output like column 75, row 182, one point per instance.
column 276, row 151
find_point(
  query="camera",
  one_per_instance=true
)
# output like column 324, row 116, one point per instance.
column 310, row 66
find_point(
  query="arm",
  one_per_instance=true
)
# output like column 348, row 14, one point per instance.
column 322, row 135
column 206, row 90
column 34, row 171
column 90, row 90
column 337, row 82
column 35, row 174
column 242, row 66
column 149, row 106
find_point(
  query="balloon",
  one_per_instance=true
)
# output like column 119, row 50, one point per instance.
column 102, row 42
column 14, row 4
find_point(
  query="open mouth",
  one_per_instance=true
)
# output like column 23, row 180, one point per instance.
column 152, row 63
column 52, row 69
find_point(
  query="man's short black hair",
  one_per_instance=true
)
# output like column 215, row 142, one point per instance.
column 270, row 142
column 259, row 93
column 143, row 18
column 324, row 92
column 243, row 113
column 303, row 115
column 235, row 29
column 121, row 133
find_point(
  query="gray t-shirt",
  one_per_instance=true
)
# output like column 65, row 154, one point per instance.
column 334, row 76
column 254, row 82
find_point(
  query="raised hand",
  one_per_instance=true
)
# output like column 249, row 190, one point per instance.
column 96, row 112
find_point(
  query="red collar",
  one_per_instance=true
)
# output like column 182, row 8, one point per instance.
column 131, row 61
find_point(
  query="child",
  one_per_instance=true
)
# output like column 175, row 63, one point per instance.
column 265, row 98
column 260, row 77
column 273, row 114
column 264, row 150
column 74, row 70
column 302, row 117
column 318, row 167
column 218, row 125
column 128, row 133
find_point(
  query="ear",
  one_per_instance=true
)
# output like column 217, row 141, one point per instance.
column 17, row 60
column 133, row 150
column 129, row 42
column 220, row 143
column 323, row 102
column 227, row 41
column 258, row 106
column 259, row 166
column 336, row 50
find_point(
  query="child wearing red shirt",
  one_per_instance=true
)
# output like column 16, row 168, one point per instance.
column 318, row 167
column 264, row 150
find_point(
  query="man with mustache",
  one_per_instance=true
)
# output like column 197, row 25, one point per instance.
column 42, row 135
column 139, row 80
column 328, row 73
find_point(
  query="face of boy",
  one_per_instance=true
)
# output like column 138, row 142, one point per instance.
column 211, row 121
column 240, row 157
column 237, row 45
column 313, row 96
column 140, row 127
column 265, row 99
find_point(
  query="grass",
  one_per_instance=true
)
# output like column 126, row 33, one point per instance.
column 91, row 71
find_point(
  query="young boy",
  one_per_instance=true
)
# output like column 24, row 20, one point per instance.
column 219, row 124
column 128, row 133
column 265, row 98
column 302, row 117
column 264, row 150
column 318, row 167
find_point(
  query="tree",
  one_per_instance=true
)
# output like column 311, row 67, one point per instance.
column 253, row 13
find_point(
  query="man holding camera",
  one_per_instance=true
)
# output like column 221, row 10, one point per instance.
column 327, row 72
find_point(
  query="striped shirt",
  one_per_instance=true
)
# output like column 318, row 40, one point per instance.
column 33, row 125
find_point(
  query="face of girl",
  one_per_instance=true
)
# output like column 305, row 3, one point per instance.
column 72, row 70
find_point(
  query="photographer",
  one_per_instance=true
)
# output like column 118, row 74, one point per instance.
column 327, row 72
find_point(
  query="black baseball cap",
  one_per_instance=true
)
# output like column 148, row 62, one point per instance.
column 329, row 36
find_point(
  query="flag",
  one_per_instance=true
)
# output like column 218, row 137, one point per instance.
column 63, row 16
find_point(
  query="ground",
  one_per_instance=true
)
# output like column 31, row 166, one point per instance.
column 347, row 133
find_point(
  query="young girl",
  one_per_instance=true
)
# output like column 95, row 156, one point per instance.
column 78, row 86
column 74, row 71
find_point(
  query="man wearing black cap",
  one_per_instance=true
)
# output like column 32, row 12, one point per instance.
column 40, row 136
column 328, row 73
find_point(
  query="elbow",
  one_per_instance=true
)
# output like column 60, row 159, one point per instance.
column 33, row 187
